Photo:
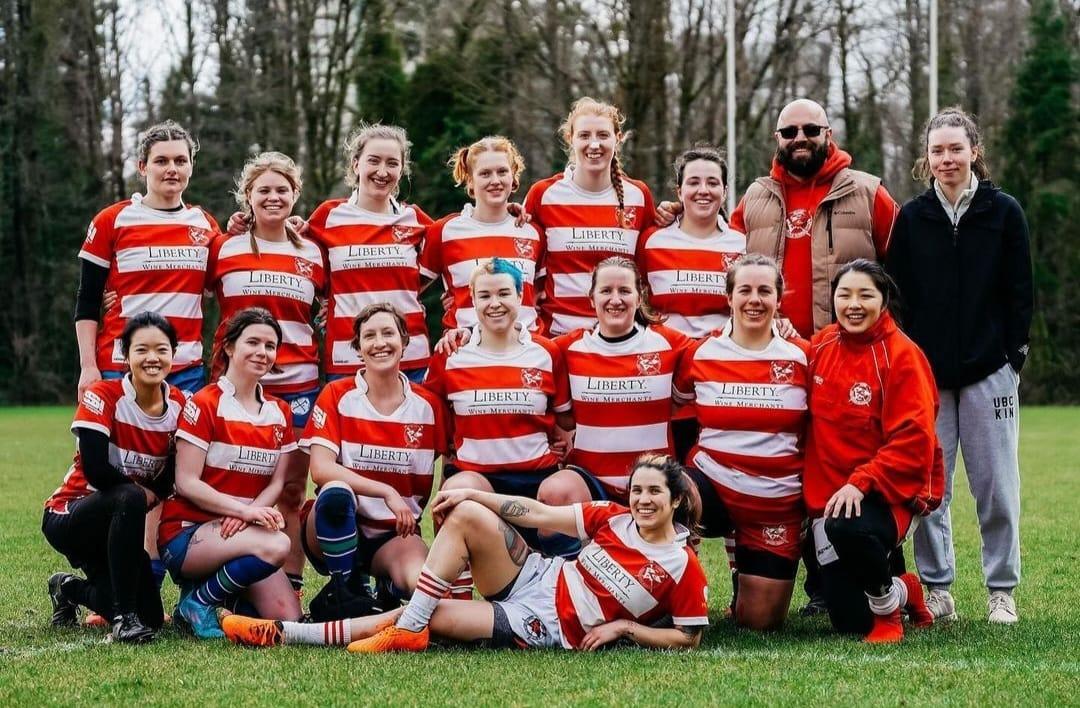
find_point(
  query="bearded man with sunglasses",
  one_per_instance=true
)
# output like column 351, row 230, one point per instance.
column 813, row 214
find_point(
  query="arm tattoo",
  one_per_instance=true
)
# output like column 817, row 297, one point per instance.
column 515, row 544
column 513, row 509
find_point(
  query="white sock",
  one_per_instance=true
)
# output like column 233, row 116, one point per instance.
column 430, row 588
column 462, row 588
column 900, row 588
column 886, row 604
column 337, row 633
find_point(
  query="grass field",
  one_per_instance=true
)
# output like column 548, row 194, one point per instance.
column 968, row 662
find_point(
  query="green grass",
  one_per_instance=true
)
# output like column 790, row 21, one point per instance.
column 969, row 662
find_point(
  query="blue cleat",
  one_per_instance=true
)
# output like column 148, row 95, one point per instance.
column 202, row 619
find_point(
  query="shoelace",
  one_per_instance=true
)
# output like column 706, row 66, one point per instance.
column 267, row 634
column 1000, row 602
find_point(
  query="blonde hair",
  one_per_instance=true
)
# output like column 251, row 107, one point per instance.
column 256, row 167
column 160, row 133
column 365, row 133
column 586, row 105
column 463, row 161
column 498, row 266
column 646, row 314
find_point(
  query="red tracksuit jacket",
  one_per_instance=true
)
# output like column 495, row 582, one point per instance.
column 873, row 403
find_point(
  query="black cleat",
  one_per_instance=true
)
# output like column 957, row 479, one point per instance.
column 815, row 607
column 128, row 628
column 65, row 613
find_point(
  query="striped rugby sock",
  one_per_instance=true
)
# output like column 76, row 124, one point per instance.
column 335, row 634
column 430, row 588
column 335, row 529
column 462, row 588
column 232, row 578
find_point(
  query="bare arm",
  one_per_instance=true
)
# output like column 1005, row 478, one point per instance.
column 520, row 511
column 190, row 460
column 678, row 637
column 86, row 332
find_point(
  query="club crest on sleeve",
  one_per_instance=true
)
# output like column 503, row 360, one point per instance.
column 782, row 372
column 191, row 412
column 534, row 627
column 199, row 237
column 304, row 268
column 318, row 415
column 93, row 403
column 648, row 364
column 532, row 378
column 413, row 435
column 860, row 394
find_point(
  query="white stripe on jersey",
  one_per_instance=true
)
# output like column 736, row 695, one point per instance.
column 570, row 239
column 128, row 412
column 137, row 214
column 293, row 374
column 308, row 250
column 624, row 438
column 496, row 451
column 383, row 458
column 684, row 281
column 241, row 458
column 267, row 283
column 565, row 191
column 135, row 465
column 144, row 258
column 750, row 442
column 563, row 324
column 571, row 284
column 625, row 588
column 586, row 606
column 298, row 333
column 186, row 305
column 623, row 389
column 375, row 255
column 765, row 487
column 755, row 395
column 350, row 304
column 696, row 326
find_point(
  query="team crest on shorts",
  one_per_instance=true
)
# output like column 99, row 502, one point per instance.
column 304, row 268
column 774, row 535
column 198, row 236
column 860, row 394
column 319, row 416
column 534, row 627
column 651, row 575
column 782, row 372
column 300, row 406
column 648, row 364
column 404, row 233
column 524, row 247
column 532, row 378
column 413, row 435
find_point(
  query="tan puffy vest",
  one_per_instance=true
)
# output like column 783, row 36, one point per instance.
column 841, row 231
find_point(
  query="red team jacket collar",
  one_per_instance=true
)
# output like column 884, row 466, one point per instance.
column 836, row 161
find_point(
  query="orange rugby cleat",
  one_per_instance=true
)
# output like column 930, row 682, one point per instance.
column 252, row 632
column 391, row 639
column 887, row 629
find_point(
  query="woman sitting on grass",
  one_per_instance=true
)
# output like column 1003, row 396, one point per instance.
column 635, row 571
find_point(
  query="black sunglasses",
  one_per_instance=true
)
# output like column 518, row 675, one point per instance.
column 810, row 130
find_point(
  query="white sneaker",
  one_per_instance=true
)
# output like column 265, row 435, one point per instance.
column 941, row 605
column 1002, row 608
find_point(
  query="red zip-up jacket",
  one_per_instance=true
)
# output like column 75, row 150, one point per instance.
column 873, row 402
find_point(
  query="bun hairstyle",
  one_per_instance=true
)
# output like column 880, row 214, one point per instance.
column 646, row 314
column 144, row 320
column 883, row 282
column 365, row 133
column 253, row 169
column 370, row 311
column 235, row 327
column 753, row 259
column 162, row 132
column 587, row 105
column 463, row 161
column 952, row 117
column 686, row 503
column 701, row 152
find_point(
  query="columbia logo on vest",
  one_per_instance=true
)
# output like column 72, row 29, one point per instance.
column 1004, row 407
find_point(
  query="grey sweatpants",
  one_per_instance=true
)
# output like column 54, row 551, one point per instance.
column 983, row 420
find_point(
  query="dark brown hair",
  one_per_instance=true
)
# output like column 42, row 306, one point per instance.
column 235, row 327
column 890, row 293
column 687, row 505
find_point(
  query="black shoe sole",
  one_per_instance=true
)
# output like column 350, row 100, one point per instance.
column 65, row 612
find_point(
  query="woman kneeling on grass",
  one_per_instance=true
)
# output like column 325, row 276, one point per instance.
column 123, row 468
column 635, row 572
column 220, row 535
column 872, row 458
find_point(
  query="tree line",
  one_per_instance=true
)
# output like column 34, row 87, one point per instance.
column 296, row 75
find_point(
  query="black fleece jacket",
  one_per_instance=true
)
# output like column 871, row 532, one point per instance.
column 965, row 288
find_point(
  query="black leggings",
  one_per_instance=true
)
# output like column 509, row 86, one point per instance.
column 103, row 535
column 868, row 558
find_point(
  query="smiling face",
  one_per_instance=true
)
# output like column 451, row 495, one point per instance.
column 149, row 356
column 754, row 298
column 271, row 198
column 802, row 155
column 615, row 298
column 858, row 302
column 167, row 169
column 594, row 139
column 496, row 300
column 381, row 344
column 254, row 352
column 491, row 180
column 379, row 168
column 651, row 504
column 702, row 190
column 950, row 155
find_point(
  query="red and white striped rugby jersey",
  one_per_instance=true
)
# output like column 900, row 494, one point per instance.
column 688, row 276
column 503, row 404
column 582, row 229
column 139, row 443
column 399, row 449
column 283, row 279
column 620, row 575
column 242, row 450
column 752, row 410
column 157, row 262
column 622, row 398
column 373, row 258
column 456, row 244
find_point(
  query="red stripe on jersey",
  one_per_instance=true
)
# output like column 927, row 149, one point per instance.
column 456, row 244
column 242, row 450
column 283, row 279
column 157, row 262
column 622, row 399
column 581, row 229
column 397, row 449
column 503, row 404
column 688, row 275
column 139, row 444
column 620, row 576
column 372, row 258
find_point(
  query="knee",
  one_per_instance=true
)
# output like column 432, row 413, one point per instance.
column 841, row 531
column 274, row 548
column 336, row 503
column 562, row 488
column 129, row 498
column 292, row 497
column 759, row 619
column 467, row 514
column 466, row 480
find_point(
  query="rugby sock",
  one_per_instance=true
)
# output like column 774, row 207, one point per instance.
column 886, row 603
column 887, row 629
column 337, row 633
column 430, row 588
column 462, row 588
column 232, row 578
column 335, row 528
column 157, row 568
column 297, row 582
